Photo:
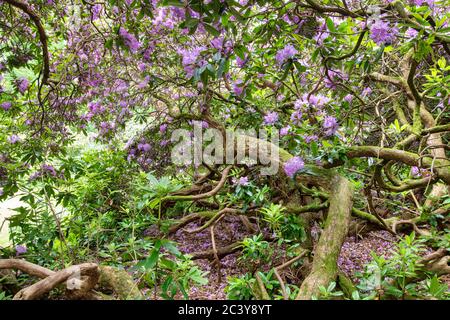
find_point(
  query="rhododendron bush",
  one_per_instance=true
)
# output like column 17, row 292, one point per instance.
column 350, row 98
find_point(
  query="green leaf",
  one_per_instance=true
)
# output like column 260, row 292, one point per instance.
column 211, row 30
column 174, row 3
column 170, row 247
column 152, row 259
column 330, row 25
column 239, row 50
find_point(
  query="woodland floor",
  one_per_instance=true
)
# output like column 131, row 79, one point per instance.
column 355, row 253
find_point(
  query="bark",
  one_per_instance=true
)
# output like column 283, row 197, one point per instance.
column 120, row 282
column 42, row 287
column 324, row 266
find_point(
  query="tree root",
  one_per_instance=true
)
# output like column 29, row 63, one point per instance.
column 190, row 218
column 259, row 289
column 221, row 252
column 411, row 222
column 80, row 280
column 437, row 262
column 215, row 218
column 120, row 282
column 285, row 265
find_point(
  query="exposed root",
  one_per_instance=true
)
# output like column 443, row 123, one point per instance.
column 437, row 262
column 120, row 282
column 190, row 218
column 26, row 267
column 214, row 219
column 411, row 222
column 80, row 280
column 285, row 265
column 40, row 288
column 259, row 289
column 221, row 252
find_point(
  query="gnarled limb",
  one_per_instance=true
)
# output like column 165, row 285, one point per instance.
column 209, row 194
column 26, row 267
column 324, row 266
column 221, row 252
column 42, row 35
column 120, row 282
column 39, row 288
column 191, row 218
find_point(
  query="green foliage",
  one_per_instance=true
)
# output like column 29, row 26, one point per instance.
column 256, row 250
column 240, row 288
column 274, row 215
column 328, row 293
column 175, row 275
column 4, row 296
column 399, row 276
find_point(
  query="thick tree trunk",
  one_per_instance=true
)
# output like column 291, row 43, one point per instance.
column 324, row 266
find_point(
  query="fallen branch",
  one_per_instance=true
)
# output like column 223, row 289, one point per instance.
column 209, row 194
column 215, row 218
column 221, row 252
column 285, row 265
column 41, row 287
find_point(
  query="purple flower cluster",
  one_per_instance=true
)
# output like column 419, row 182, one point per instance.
column 130, row 40
column 189, row 59
column 296, row 117
column 6, row 105
column 271, row 118
column 285, row 131
column 293, row 165
column 20, row 249
column 411, row 33
column 22, row 85
column 317, row 101
column 366, row 91
column 242, row 181
column 221, row 45
column 286, row 53
column 309, row 139
column 382, row 33
column 330, row 125
column 144, row 147
column 422, row 2
column 238, row 87
column 13, row 139
column 163, row 128
column 45, row 170
column 241, row 62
